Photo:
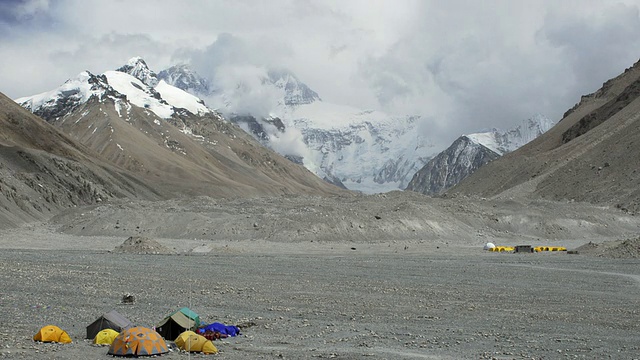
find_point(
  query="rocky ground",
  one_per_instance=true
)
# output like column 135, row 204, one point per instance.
column 381, row 277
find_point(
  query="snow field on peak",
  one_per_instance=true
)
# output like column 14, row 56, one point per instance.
column 137, row 93
column 181, row 99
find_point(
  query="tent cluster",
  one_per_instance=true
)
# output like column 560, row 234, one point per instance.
column 124, row 339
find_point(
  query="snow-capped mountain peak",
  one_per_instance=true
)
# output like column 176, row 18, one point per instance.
column 138, row 68
column 75, row 91
column 164, row 100
column 185, row 78
column 295, row 91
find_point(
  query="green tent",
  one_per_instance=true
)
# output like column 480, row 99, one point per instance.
column 179, row 321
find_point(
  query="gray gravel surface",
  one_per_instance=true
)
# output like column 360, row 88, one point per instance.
column 449, row 303
column 394, row 276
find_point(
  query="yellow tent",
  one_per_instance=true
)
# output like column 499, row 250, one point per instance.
column 502, row 249
column 192, row 342
column 52, row 333
column 105, row 337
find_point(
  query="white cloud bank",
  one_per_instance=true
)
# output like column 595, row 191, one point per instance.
column 462, row 65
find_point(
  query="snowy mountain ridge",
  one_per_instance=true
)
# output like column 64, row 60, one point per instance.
column 74, row 92
column 164, row 100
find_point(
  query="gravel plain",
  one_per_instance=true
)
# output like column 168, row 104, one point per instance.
column 422, row 294
column 339, row 303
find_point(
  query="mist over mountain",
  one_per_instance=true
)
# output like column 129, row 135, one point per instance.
column 364, row 150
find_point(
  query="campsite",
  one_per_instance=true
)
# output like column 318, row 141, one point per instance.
column 435, row 297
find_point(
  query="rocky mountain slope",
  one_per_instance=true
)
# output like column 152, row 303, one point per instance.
column 368, row 151
column 43, row 171
column 168, row 137
column 452, row 165
column 470, row 152
column 590, row 155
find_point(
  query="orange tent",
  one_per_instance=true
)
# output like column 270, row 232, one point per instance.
column 138, row 341
column 52, row 333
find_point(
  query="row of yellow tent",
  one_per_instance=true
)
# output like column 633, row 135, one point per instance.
column 535, row 249
column 549, row 248
column 134, row 341
column 502, row 248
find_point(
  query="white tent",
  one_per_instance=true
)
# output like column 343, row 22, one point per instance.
column 489, row 246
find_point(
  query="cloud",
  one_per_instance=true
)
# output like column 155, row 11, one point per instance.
column 595, row 46
column 237, row 69
column 22, row 11
column 240, row 91
column 35, row 65
column 490, row 66
column 462, row 65
column 289, row 142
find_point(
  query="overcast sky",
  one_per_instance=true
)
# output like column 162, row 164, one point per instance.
column 462, row 65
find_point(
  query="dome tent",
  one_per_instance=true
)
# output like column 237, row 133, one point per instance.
column 177, row 322
column 52, row 333
column 138, row 341
column 489, row 246
column 105, row 337
column 192, row 342
column 111, row 320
